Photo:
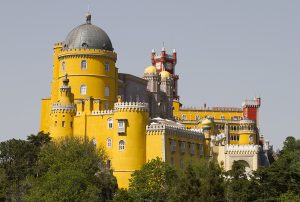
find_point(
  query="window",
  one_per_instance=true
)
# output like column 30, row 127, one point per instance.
column 110, row 123
column 192, row 148
column 63, row 66
column 106, row 91
column 121, row 145
column 109, row 142
column 106, row 106
column 107, row 67
column 183, row 117
column 83, row 89
column 71, row 124
column 173, row 145
column 63, row 124
column 121, row 126
column 197, row 117
column 83, row 65
column 201, row 150
column 222, row 117
column 182, row 147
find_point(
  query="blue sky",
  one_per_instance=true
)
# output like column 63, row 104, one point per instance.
column 228, row 51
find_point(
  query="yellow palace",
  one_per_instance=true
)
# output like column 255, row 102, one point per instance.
column 137, row 119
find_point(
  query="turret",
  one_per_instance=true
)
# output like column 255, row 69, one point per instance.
column 130, row 146
column 62, row 112
column 167, row 62
column 166, row 86
column 251, row 109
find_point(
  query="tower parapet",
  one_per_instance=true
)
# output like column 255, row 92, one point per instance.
column 131, row 106
column 241, row 149
column 251, row 109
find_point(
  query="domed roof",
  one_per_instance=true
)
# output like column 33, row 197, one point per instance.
column 88, row 36
column 165, row 74
column 206, row 122
column 150, row 70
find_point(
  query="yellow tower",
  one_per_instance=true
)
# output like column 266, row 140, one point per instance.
column 130, row 151
column 88, row 58
column 62, row 112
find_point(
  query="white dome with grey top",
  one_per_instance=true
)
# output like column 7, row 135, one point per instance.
column 88, row 36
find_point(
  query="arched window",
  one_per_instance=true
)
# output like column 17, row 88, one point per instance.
column 106, row 91
column 110, row 123
column 83, row 65
column 107, row 67
column 63, row 66
column 109, row 142
column 121, row 145
column 83, row 89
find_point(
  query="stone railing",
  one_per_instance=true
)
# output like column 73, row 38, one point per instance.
column 241, row 149
column 136, row 106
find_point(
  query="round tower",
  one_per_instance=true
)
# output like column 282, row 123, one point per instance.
column 63, row 112
column 88, row 58
column 129, row 151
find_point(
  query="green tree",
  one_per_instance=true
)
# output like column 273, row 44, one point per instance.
column 282, row 177
column 237, row 184
column 153, row 182
column 72, row 169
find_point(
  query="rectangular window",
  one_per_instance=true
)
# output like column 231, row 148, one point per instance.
column 121, row 126
column 183, row 117
column 197, row 117
column 201, row 150
column 192, row 148
column 173, row 145
column 182, row 147
column 63, row 124
column 71, row 124
column 222, row 117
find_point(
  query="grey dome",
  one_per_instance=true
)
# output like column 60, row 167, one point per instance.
column 88, row 36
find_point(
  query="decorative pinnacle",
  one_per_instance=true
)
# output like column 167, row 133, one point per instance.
column 66, row 80
column 88, row 18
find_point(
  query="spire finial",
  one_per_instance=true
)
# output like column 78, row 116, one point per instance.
column 88, row 18
column 66, row 80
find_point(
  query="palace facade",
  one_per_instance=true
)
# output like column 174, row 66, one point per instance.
column 137, row 119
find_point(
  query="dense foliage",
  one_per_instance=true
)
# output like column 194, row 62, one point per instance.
column 73, row 169
column 37, row 169
column 206, row 181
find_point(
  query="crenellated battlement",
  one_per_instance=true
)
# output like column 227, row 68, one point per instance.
column 102, row 112
column 59, row 44
column 59, row 107
column 219, row 109
column 241, row 149
column 173, row 130
column 131, row 106
column 86, row 52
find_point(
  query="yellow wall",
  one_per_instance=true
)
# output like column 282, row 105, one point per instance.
column 45, row 118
